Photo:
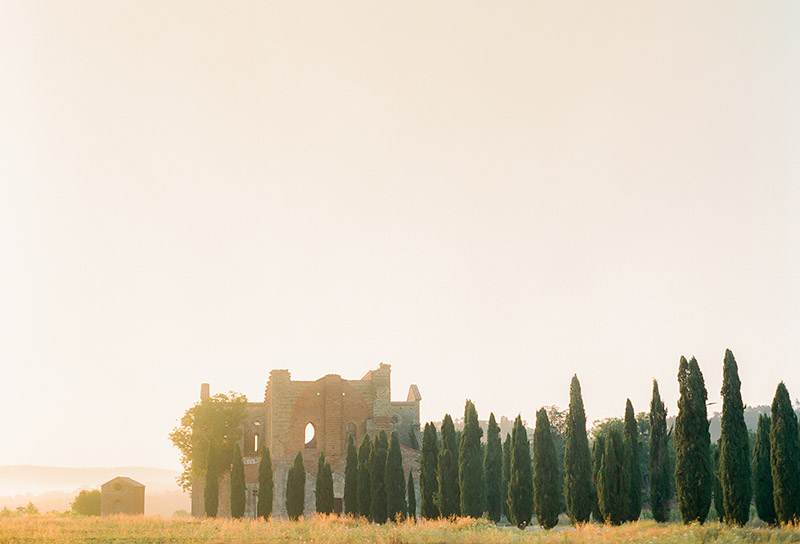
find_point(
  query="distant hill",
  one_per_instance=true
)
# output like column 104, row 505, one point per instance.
column 54, row 488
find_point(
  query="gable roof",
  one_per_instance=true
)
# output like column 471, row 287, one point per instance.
column 124, row 480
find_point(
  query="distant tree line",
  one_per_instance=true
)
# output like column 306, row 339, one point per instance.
column 629, row 462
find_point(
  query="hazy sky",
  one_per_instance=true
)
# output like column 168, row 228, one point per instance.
column 489, row 197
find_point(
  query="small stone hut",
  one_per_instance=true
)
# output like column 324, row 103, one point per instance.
column 122, row 495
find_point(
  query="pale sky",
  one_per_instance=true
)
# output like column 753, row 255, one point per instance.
column 489, row 197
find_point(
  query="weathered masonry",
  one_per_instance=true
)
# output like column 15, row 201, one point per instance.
column 315, row 416
column 121, row 495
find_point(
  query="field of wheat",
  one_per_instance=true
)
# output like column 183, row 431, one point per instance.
column 68, row 530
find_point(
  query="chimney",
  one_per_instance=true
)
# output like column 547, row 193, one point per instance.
column 204, row 391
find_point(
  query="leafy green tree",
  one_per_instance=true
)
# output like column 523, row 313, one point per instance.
column 520, row 479
column 546, row 488
column 598, row 449
column 412, row 497
column 734, row 462
column 395, row 482
column 351, row 478
column 630, row 444
column 762, row 473
column 265, row 484
column 470, row 465
column 296, row 488
column 659, row 458
column 506, row 475
column 577, row 459
column 784, row 446
column 412, row 439
column 448, row 495
column 216, row 420
column 377, row 478
column 719, row 504
column 428, row 473
column 323, row 491
column 694, row 478
column 364, row 485
column 211, row 491
column 493, row 470
column 238, row 487
column 612, row 480
column 87, row 503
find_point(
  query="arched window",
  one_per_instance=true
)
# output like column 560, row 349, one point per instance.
column 310, row 436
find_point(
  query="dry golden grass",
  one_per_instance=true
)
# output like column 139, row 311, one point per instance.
column 119, row 529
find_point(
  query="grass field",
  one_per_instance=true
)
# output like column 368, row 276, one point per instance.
column 68, row 530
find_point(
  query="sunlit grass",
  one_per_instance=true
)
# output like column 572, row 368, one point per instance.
column 67, row 530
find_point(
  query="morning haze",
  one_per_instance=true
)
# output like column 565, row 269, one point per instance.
column 489, row 200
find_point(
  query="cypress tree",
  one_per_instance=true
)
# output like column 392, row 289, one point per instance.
column 577, row 459
column 377, row 478
column 428, row 473
column 612, row 480
column 694, row 479
column 659, row 458
column 630, row 443
column 719, row 504
column 762, row 473
column 734, row 462
column 448, row 495
column 296, row 488
column 784, row 454
column 364, row 487
column 351, row 478
column 493, row 470
column 395, row 482
column 412, row 497
column 265, row 484
column 598, row 448
column 520, row 479
column 211, row 491
column 324, row 488
column 238, row 488
column 470, row 465
column 546, row 492
column 506, row 474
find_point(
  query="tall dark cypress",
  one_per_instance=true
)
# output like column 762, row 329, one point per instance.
column 296, row 488
column 351, row 479
column 238, row 488
column 411, row 502
column 784, row 446
column 612, row 480
column 734, row 461
column 448, row 495
column 630, row 442
column 546, row 488
column 694, row 478
column 506, row 475
column 395, row 482
column 265, row 484
column 377, row 478
column 520, row 479
column 598, row 449
column 660, row 473
column 470, row 465
column 364, row 487
column 211, row 490
column 324, row 487
column 577, row 459
column 428, row 473
column 762, row 473
column 493, row 470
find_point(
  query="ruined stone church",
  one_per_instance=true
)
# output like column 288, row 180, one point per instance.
column 315, row 416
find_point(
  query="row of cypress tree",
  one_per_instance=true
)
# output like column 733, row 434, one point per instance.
column 460, row 476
